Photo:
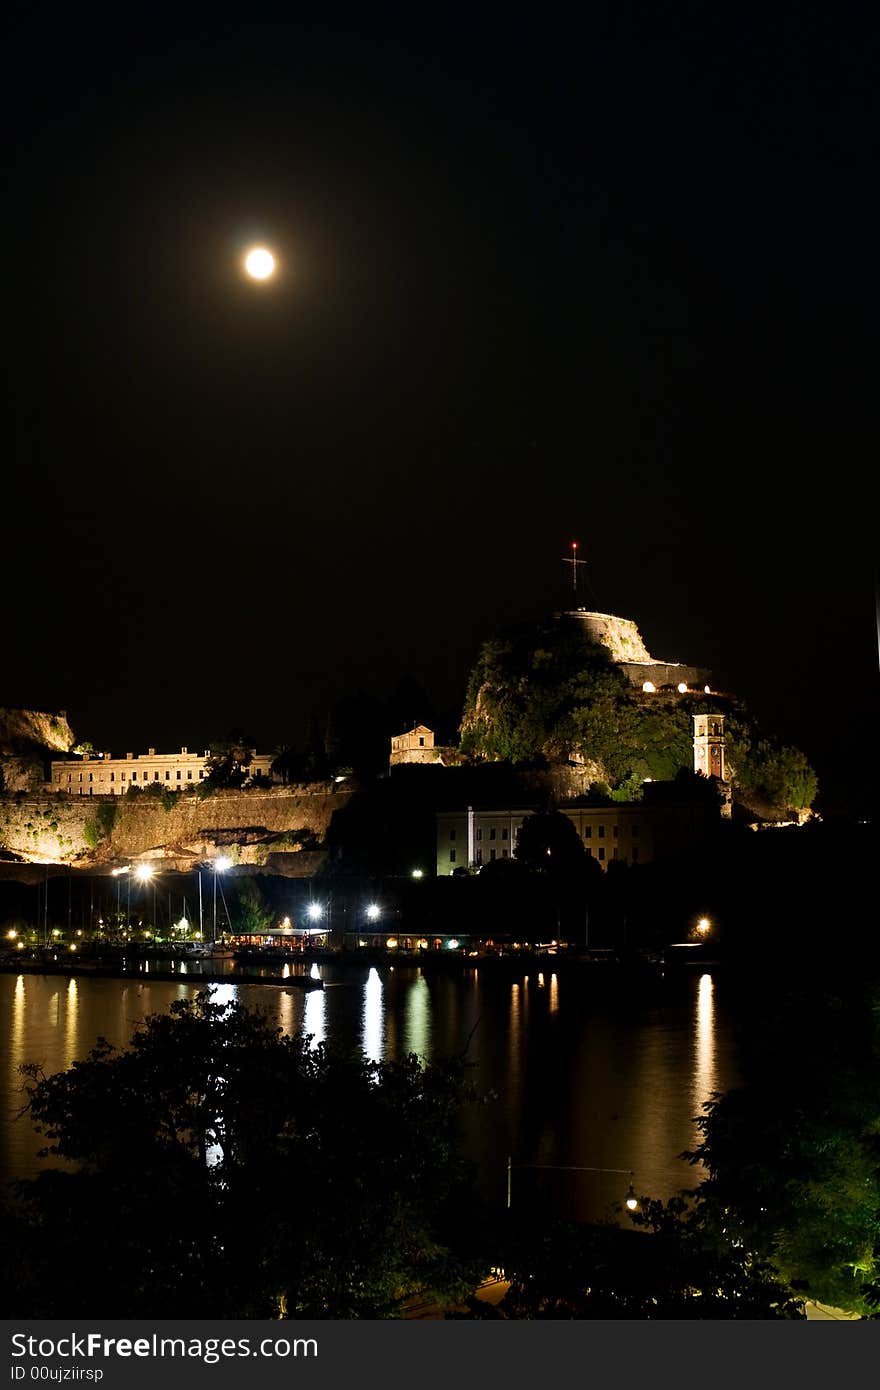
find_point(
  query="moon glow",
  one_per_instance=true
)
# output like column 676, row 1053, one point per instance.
column 259, row 263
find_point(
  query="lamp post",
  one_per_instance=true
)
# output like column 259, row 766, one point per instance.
column 632, row 1200
column 146, row 874
column 219, row 865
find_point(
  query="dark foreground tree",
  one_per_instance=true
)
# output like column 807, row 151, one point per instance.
column 793, row 1156
column 226, row 1169
column 673, row 1267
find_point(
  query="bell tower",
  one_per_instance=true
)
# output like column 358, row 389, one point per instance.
column 709, row 746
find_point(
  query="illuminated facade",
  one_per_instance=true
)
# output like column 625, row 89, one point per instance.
column 472, row 838
column 416, row 746
column 100, row 774
column 709, row 746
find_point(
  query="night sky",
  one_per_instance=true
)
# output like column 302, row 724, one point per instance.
column 613, row 282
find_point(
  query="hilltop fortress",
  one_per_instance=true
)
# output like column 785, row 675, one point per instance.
column 622, row 640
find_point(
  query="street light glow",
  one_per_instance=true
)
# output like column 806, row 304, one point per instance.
column 259, row 263
column 373, row 911
column 704, row 925
column 144, row 872
column 222, row 864
column 418, row 873
column 315, row 911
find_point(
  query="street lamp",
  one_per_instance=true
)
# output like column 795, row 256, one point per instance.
column 374, row 912
column 145, row 873
column 220, row 866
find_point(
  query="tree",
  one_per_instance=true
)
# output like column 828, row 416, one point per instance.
column 793, row 1156
column 228, row 761
column 226, row 1169
column 673, row 1267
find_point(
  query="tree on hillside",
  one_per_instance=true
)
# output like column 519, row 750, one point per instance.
column 225, row 1169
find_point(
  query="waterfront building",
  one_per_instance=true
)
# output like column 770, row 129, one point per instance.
column 473, row 837
column 100, row 774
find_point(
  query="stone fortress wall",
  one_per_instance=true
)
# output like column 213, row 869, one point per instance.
column 623, row 642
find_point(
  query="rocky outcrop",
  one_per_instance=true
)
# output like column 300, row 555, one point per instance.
column 27, row 738
column 97, row 832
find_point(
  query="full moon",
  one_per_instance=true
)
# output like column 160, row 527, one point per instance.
column 259, row 263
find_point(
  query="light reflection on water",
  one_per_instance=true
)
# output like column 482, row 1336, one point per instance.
column 583, row 1074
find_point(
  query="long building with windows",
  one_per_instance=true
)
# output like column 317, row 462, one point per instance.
column 472, row 837
column 100, row 774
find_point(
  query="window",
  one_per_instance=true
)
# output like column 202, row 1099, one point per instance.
column 601, row 832
column 504, row 834
column 189, row 776
column 634, row 831
column 479, row 858
column 452, row 833
column 178, row 775
column 504, row 854
column 492, row 833
column 112, row 776
column 167, row 775
column 601, row 851
column 491, row 854
column 588, row 832
column 122, row 776
column 70, row 776
column 201, row 772
column 635, row 854
column 479, row 832
column 134, row 776
column 421, row 742
column 80, row 776
column 615, row 832
column 614, row 852
column 452, row 856
column 91, row 777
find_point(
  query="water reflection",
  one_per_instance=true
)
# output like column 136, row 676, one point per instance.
column 19, row 999
column 554, row 993
column 314, row 1020
column 418, row 1004
column 374, row 1013
column 71, row 1019
column 705, row 1081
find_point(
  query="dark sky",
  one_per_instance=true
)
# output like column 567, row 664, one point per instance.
column 611, row 279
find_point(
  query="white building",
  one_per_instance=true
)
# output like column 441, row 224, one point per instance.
column 100, row 774
column 473, row 838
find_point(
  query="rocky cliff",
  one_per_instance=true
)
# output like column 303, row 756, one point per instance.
column 97, row 832
column 27, row 739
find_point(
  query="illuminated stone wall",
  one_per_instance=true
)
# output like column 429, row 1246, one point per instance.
column 246, row 825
